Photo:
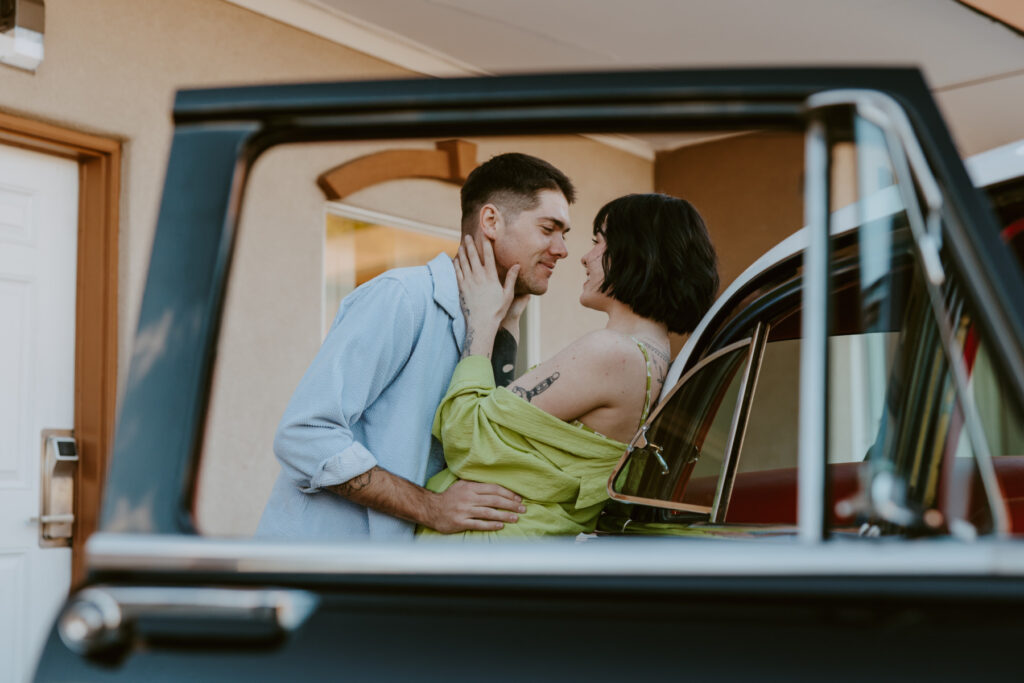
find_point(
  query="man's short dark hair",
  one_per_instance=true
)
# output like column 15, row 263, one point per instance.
column 511, row 182
column 658, row 258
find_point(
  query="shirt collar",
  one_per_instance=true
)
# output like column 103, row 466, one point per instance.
column 446, row 294
column 446, row 287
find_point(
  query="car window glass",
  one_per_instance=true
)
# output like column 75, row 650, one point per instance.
column 1001, row 423
column 686, row 441
column 857, row 391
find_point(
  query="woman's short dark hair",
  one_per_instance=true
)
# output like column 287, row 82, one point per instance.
column 658, row 258
column 512, row 182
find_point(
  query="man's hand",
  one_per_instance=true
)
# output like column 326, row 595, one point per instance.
column 484, row 299
column 472, row 506
column 465, row 506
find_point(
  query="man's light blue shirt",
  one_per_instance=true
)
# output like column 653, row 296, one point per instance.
column 367, row 399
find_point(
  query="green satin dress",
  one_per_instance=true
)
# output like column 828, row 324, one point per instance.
column 491, row 435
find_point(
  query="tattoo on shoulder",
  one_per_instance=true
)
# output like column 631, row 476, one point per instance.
column 543, row 386
column 661, row 359
column 659, row 352
column 356, row 483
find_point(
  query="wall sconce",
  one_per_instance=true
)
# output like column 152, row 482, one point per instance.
column 21, row 33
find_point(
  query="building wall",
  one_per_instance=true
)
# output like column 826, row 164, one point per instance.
column 748, row 188
column 112, row 68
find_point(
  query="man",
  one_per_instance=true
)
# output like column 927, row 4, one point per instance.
column 354, row 442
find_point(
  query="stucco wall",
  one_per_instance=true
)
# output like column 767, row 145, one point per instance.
column 272, row 323
column 748, row 188
column 112, row 68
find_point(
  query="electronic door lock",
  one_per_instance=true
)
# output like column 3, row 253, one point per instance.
column 57, row 514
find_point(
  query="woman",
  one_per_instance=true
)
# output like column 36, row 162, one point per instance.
column 555, row 434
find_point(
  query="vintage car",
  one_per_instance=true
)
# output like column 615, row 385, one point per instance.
column 719, row 457
column 850, row 409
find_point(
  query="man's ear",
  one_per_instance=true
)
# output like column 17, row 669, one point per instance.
column 490, row 221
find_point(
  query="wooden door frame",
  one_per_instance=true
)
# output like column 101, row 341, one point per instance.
column 99, row 178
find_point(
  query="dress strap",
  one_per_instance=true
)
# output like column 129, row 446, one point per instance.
column 647, row 396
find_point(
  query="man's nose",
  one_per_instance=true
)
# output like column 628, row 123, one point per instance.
column 558, row 248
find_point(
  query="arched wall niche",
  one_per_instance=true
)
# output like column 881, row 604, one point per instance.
column 451, row 162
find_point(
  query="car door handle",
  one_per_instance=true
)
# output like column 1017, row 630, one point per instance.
column 99, row 619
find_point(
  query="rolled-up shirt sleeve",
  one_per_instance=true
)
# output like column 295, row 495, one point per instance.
column 368, row 344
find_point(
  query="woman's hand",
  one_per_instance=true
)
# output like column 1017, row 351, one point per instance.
column 484, row 299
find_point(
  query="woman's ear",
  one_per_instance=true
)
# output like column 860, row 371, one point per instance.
column 490, row 221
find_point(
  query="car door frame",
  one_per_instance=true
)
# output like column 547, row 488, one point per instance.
column 219, row 133
column 148, row 540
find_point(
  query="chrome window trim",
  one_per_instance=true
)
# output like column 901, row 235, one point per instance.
column 640, row 439
column 996, row 165
column 812, row 454
column 160, row 554
column 738, row 428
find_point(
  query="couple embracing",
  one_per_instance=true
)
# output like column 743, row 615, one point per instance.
column 409, row 420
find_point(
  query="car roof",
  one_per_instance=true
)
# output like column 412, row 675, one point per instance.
column 985, row 169
column 996, row 165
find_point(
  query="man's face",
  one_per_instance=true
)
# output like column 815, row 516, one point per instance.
column 535, row 239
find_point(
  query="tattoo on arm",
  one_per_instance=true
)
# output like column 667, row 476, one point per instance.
column 503, row 357
column 469, row 330
column 528, row 395
column 355, row 484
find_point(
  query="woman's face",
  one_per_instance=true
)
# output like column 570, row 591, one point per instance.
column 592, row 296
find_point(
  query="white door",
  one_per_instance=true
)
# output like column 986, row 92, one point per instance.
column 38, row 260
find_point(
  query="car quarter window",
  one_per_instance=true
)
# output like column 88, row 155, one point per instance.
column 677, row 459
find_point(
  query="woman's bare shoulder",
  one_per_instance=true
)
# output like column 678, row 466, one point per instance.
column 602, row 346
column 595, row 371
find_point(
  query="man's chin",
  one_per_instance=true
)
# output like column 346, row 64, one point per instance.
column 535, row 288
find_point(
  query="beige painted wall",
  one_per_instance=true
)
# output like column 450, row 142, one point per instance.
column 112, row 67
column 748, row 188
column 272, row 323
